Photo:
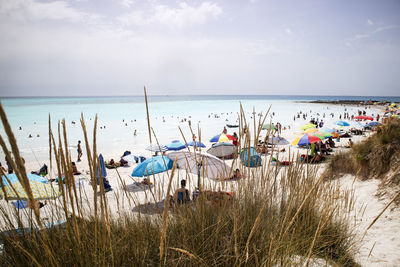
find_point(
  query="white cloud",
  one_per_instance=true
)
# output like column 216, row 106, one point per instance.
column 370, row 22
column 127, row 3
column 371, row 33
column 288, row 31
column 29, row 10
column 182, row 16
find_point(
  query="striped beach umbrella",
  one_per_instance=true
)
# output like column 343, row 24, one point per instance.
column 307, row 139
column 40, row 191
column 307, row 126
column 220, row 138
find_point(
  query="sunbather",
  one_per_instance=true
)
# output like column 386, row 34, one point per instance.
column 74, row 169
column 181, row 195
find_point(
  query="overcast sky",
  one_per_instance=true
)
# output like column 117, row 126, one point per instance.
column 102, row 47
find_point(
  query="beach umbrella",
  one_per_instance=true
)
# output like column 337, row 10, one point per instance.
column 364, row 118
column 306, row 140
column 201, row 164
column 250, row 158
column 102, row 167
column 327, row 130
column 176, row 145
column 191, row 143
column 342, row 123
column 14, row 179
column 40, row 191
column 374, row 123
column 307, row 126
column 310, row 130
column 276, row 140
column 268, row 126
column 153, row 165
column 322, row 134
column 157, row 148
column 357, row 125
column 222, row 138
column 222, row 149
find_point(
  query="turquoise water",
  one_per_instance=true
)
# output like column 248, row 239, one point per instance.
column 118, row 115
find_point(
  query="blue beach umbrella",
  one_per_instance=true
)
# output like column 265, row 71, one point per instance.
column 176, row 145
column 14, row 179
column 374, row 123
column 197, row 144
column 342, row 123
column 153, row 165
column 250, row 158
column 102, row 168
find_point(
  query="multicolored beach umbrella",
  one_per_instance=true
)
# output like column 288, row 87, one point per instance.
column 307, row 126
column 318, row 132
column 310, row 130
column 322, row 134
column 307, row 139
column 40, row 191
column 220, row 138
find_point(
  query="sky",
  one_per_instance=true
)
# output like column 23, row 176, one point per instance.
column 102, row 47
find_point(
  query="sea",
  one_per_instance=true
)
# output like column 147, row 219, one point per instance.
column 119, row 117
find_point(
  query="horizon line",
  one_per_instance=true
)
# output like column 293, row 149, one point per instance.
column 167, row 95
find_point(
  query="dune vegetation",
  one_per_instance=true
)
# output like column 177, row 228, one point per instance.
column 376, row 157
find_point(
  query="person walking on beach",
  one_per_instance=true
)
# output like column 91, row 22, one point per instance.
column 79, row 151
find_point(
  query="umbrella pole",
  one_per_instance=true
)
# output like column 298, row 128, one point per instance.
column 198, row 176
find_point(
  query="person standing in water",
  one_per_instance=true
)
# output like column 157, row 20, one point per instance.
column 79, row 151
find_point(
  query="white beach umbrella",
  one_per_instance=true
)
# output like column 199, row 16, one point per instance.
column 157, row 148
column 201, row 164
column 221, row 149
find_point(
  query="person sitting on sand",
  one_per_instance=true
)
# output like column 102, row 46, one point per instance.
column 327, row 146
column 331, row 142
column 181, row 195
column 236, row 175
column 123, row 162
column 74, row 169
column 350, row 144
column 323, row 149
